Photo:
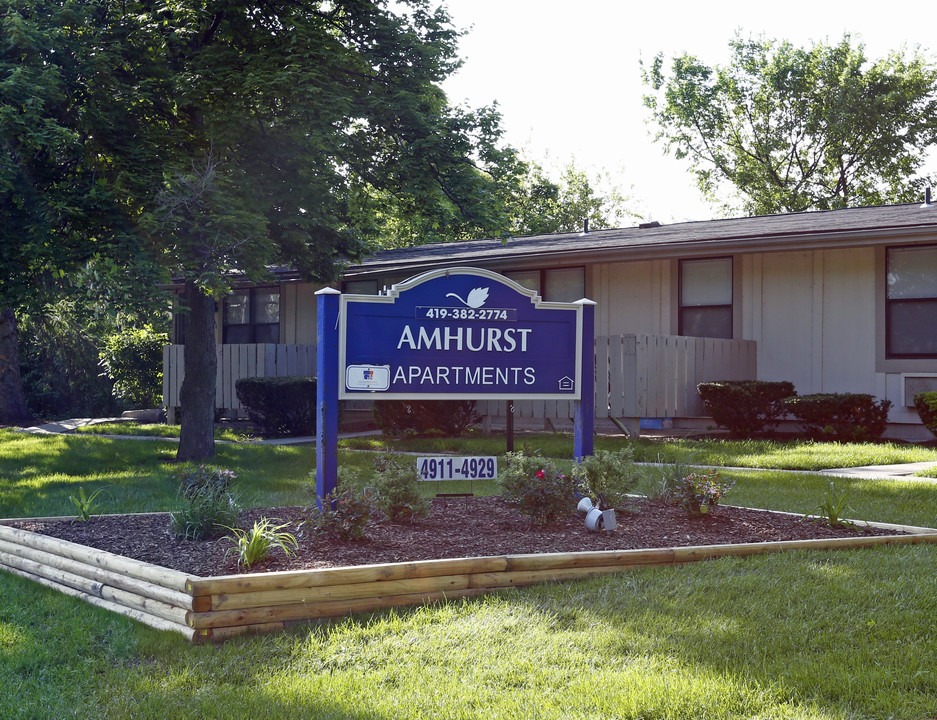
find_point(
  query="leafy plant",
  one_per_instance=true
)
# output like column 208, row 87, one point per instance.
column 85, row 503
column 926, row 405
column 204, row 515
column 254, row 545
column 832, row 508
column 847, row 417
column 744, row 407
column 611, row 475
column 663, row 478
column 279, row 406
column 134, row 360
column 204, row 479
column 344, row 513
column 397, row 487
column 536, row 487
column 700, row 491
column 425, row 417
column 210, row 507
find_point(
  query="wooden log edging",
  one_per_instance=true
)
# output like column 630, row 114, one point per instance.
column 219, row 608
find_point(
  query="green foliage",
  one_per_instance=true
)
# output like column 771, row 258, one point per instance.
column 209, row 506
column 85, row 504
column 133, row 358
column 609, row 474
column 794, row 129
column 846, row 417
column 449, row 418
column 833, row 507
column 397, row 486
column 255, row 545
column 666, row 474
column 535, row 487
column 698, row 492
column 279, row 406
column 926, row 405
column 744, row 407
column 346, row 512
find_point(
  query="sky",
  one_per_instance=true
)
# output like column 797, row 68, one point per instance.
column 567, row 79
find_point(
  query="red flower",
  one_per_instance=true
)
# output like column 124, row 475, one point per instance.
column 540, row 474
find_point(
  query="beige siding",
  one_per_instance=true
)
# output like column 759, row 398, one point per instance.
column 632, row 297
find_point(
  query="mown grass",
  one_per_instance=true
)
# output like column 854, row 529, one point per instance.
column 794, row 455
column 156, row 430
column 824, row 635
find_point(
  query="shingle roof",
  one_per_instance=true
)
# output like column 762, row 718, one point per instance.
column 831, row 228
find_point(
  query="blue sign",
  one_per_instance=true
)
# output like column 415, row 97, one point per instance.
column 461, row 333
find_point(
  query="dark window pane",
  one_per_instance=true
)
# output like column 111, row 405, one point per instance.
column 237, row 308
column 564, row 284
column 267, row 333
column 912, row 328
column 714, row 322
column 236, row 334
column 266, row 307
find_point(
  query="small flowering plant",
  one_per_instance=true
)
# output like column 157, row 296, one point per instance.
column 344, row 514
column 204, row 480
column 700, row 491
column 537, row 488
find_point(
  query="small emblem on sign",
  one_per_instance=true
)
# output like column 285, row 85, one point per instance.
column 566, row 383
column 476, row 298
column 367, row 377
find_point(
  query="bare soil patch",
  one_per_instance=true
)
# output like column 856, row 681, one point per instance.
column 455, row 527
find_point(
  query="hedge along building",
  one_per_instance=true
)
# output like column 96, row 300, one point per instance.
column 833, row 301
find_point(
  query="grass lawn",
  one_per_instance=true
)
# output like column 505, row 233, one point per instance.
column 827, row 635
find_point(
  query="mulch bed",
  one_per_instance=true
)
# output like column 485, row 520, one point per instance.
column 455, row 527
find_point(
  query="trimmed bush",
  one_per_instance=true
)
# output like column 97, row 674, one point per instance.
column 926, row 405
column 279, row 406
column 610, row 474
column 846, row 417
column 449, row 418
column 745, row 407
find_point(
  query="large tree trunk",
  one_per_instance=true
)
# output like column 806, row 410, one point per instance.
column 13, row 410
column 197, row 394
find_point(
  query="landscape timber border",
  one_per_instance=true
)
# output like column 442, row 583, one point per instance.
column 218, row 608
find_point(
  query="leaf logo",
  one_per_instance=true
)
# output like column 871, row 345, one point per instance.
column 476, row 298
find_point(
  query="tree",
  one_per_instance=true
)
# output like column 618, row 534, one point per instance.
column 794, row 129
column 236, row 134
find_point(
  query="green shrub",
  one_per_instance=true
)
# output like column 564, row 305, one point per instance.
column 210, row 507
column 345, row 513
column 448, row 418
column 698, row 492
column 745, row 407
column 609, row 474
column 134, row 361
column 537, row 488
column 926, row 405
column 845, row 417
column 397, row 487
column 279, row 405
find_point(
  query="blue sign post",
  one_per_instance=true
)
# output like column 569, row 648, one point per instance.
column 460, row 333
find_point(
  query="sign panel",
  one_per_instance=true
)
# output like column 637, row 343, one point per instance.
column 461, row 333
column 446, row 467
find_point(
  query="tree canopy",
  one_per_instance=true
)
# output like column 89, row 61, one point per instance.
column 224, row 136
column 793, row 129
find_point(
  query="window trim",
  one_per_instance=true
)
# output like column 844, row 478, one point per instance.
column 730, row 305
column 889, row 303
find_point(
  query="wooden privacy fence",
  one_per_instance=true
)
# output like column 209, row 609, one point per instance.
column 649, row 376
column 637, row 376
column 235, row 362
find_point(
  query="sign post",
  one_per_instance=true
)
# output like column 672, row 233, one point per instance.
column 452, row 334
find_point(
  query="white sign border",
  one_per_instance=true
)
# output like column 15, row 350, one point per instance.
column 391, row 298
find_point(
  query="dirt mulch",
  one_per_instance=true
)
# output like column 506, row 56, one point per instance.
column 455, row 527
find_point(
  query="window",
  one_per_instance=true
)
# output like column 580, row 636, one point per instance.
column 252, row 316
column 360, row 287
column 553, row 284
column 911, row 302
column 706, row 298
